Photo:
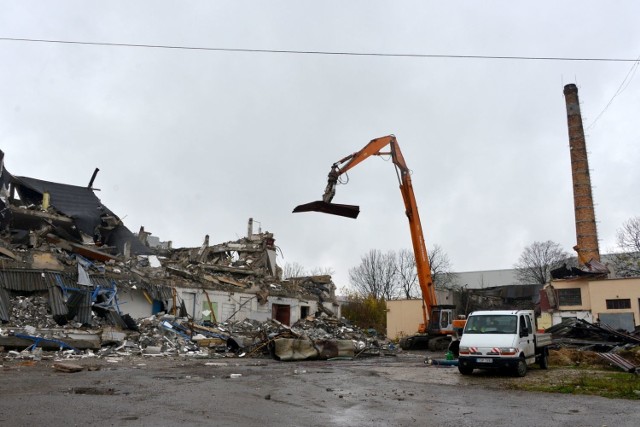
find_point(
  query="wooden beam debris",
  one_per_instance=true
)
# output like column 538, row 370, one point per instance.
column 232, row 282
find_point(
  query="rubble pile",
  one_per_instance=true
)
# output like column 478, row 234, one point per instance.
column 245, row 264
column 615, row 347
column 244, row 256
column 319, row 328
column 578, row 333
column 170, row 336
column 241, row 266
column 322, row 287
column 31, row 311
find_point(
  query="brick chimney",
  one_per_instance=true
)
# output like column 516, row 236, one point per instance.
column 586, row 232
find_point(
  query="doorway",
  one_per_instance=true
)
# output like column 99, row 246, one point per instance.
column 281, row 313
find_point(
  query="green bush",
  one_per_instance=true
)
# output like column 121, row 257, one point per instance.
column 366, row 313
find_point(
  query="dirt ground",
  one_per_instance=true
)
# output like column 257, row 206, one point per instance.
column 396, row 390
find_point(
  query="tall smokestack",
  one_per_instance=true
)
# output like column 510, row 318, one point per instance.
column 586, row 232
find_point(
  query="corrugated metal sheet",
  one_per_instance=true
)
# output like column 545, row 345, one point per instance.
column 116, row 319
column 18, row 280
column 56, row 302
column 619, row 361
column 38, row 280
column 79, row 303
column 158, row 292
column 31, row 280
column 84, row 310
column 103, row 282
column 59, row 286
column 5, row 305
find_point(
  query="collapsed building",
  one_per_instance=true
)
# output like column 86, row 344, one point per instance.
column 69, row 267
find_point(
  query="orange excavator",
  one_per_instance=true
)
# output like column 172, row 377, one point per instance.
column 438, row 321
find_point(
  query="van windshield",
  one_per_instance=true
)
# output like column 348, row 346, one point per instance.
column 491, row 324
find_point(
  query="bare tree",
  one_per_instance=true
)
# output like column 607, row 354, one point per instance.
column 375, row 276
column 627, row 262
column 537, row 260
column 293, row 269
column 440, row 267
column 407, row 273
column 629, row 235
column 321, row 271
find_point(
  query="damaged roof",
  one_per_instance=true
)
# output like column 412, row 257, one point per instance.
column 81, row 205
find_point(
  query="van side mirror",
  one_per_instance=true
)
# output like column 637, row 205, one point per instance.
column 524, row 332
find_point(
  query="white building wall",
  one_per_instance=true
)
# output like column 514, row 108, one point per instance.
column 558, row 316
column 227, row 305
column 134, row 303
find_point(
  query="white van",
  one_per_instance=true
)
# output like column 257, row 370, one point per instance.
column 502, row 339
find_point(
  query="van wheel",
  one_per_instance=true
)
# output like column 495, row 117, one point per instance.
column 465, row 370
column 521, row 368
column 544, row 359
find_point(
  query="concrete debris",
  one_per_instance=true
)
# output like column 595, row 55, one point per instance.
column 31, row 312
column 166, row 335
column 304, row 349
column 76, row 283
column 67, row 367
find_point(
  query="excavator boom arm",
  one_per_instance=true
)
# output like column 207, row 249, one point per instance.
column 342, row 166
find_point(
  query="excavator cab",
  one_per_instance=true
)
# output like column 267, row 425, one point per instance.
column 441, row 320
column 437, row 335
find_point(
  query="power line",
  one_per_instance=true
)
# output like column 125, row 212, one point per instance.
column 318, row 52
column 625, row 83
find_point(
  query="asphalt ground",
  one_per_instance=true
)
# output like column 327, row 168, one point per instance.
column 399, row 390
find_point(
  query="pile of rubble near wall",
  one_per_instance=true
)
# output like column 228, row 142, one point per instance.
column 579, row 333
column 617, row 347
column 246, row 265
column 166, row 335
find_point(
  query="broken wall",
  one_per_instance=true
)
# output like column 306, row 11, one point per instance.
column 238, row 306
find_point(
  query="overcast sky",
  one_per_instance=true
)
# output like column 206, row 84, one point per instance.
column 195, row 142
